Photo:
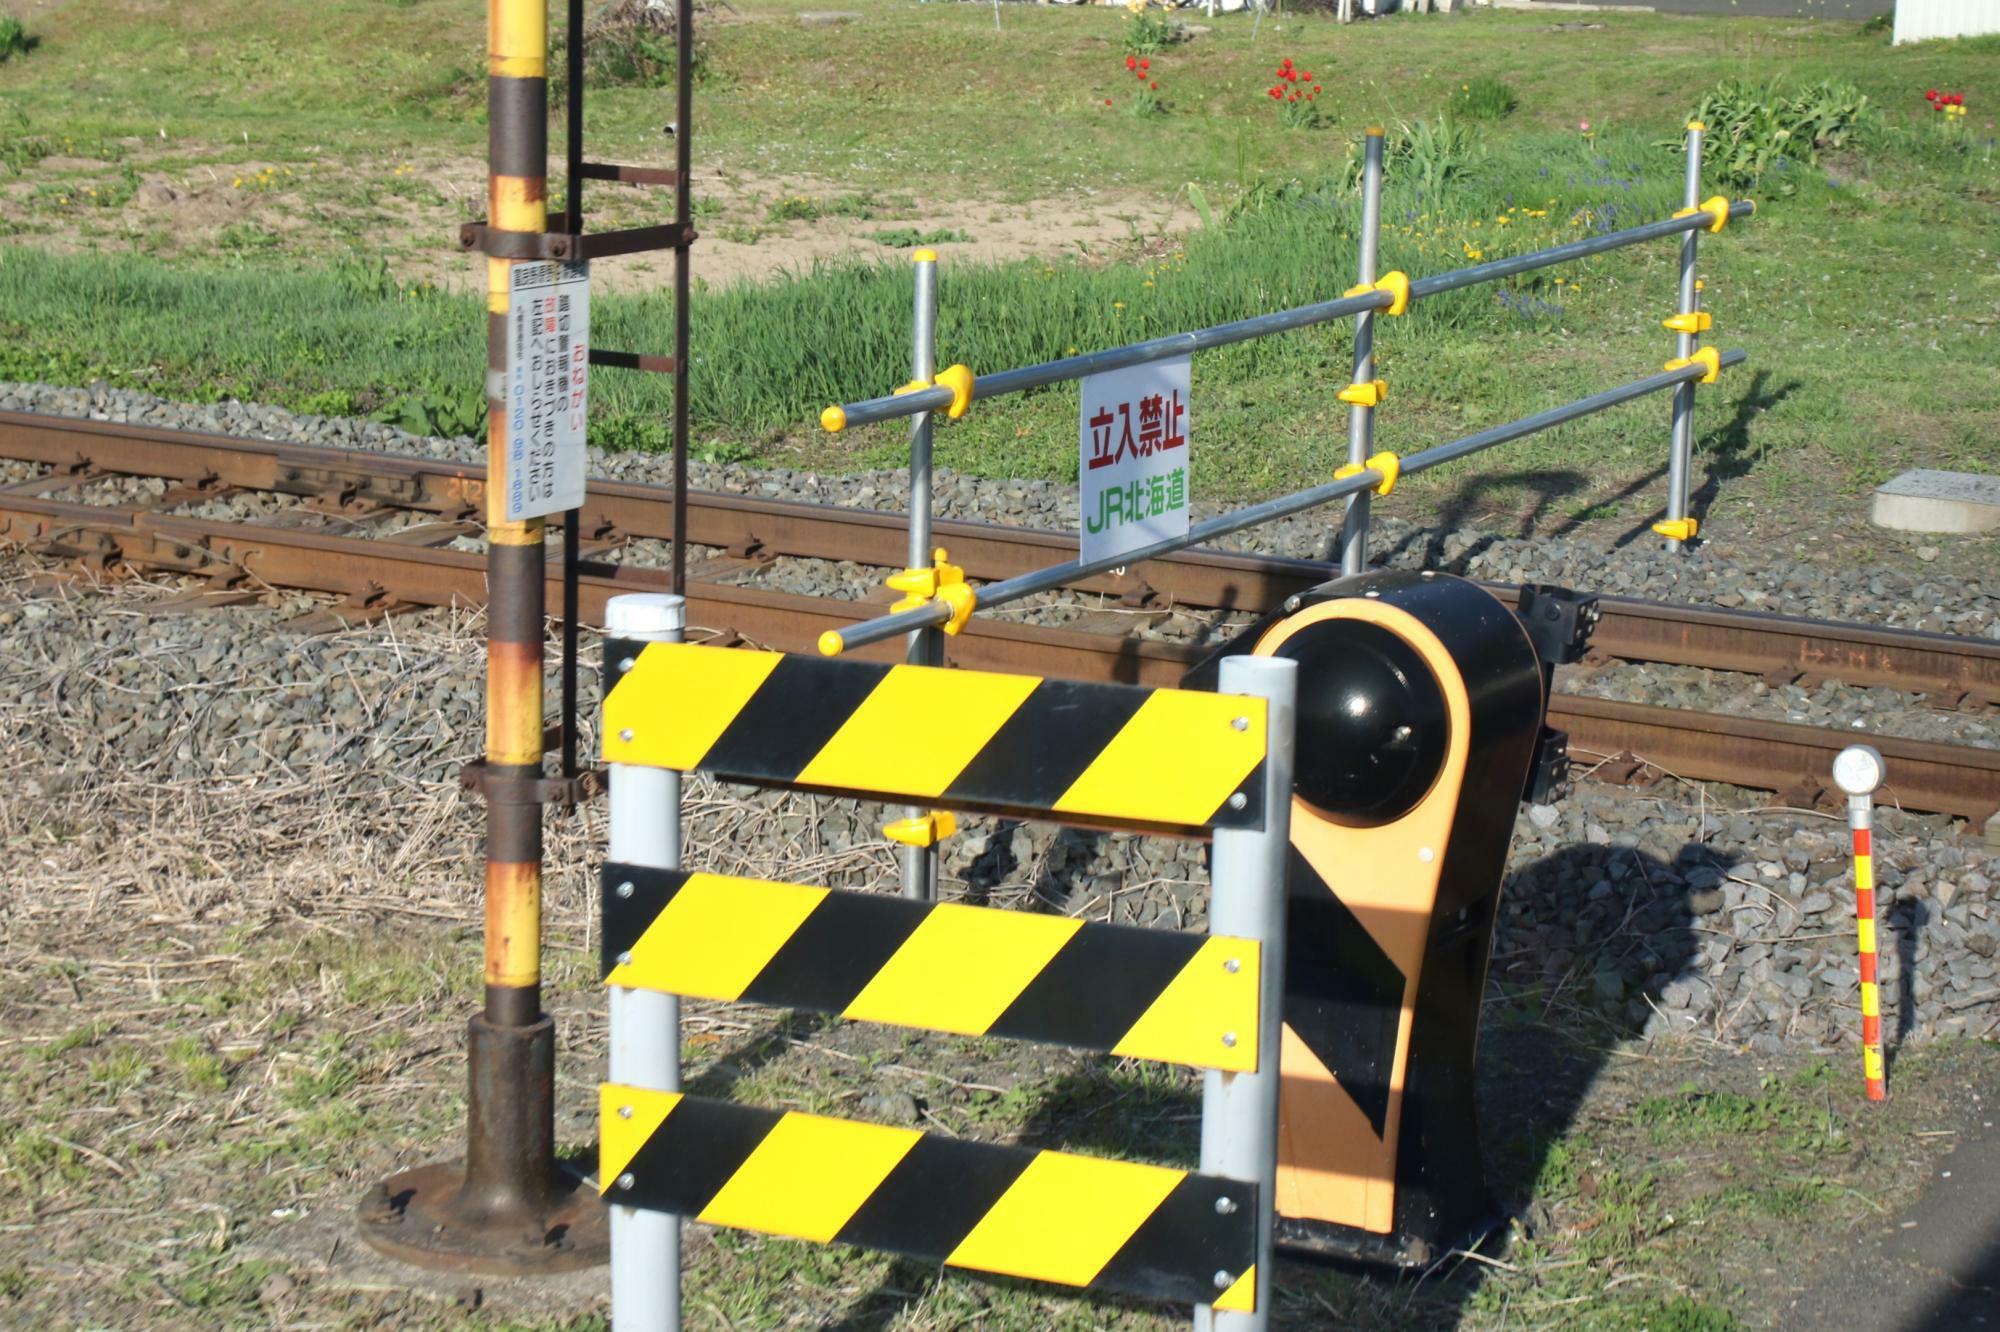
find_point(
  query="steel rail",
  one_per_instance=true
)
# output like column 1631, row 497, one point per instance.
column 836, row 641
column 892, row 406
column 1780, row 647
column 1930, row 776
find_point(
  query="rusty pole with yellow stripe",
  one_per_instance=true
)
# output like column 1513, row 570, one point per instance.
column 1858, row 770
column 506, row 1208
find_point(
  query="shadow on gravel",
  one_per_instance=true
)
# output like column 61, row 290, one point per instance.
column 1906, row 920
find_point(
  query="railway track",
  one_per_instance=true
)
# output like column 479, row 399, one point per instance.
column 394, row 561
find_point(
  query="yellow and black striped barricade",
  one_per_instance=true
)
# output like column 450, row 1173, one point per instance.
column 1186, row 762
column 1169, row 760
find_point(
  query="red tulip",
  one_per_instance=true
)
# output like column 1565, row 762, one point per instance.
column 1958, row 99
column 1107, row 101
column 1931, row 95
column 1315, row 90
column 1286, row 63
column 1307, row 76
column 1132, row 62
column 1145, row 64
column 1153, row 86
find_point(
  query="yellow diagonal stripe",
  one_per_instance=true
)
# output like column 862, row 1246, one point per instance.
column 1864, row 931
column 1176, row 761
column 1201, row 1006
column 1242, row 1296
column 677, row 700
column 1871, row 999
column 808, row 1176
column 1065, row 1217
column 917, row 730
column 1864, row 874
column 627, row 1117
column 715, row 935
column 960, row 969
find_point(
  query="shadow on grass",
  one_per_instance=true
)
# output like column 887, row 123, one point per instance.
column 1725, row 454
column 1612, row 944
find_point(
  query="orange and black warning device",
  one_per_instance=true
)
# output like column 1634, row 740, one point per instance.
column 1420, row 726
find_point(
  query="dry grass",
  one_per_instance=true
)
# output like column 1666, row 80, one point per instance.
column 230, row 1003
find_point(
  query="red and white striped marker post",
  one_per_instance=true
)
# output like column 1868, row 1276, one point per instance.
column 1858, row 770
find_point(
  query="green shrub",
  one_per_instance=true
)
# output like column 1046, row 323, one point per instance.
column 14, row 39
column 1149, row 31
column 1482, row 98
column 1427, row 154
column 1756, row 132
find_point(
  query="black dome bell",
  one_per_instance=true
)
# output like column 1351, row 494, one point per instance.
column 1373, row 725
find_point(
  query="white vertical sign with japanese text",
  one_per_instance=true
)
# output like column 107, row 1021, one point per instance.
column 548, row 369
column 1132, row 436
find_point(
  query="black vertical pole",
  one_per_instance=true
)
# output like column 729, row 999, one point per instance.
column 683, row 216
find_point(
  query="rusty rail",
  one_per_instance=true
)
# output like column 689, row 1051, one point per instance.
column 1780, row 648
column 1776, row 756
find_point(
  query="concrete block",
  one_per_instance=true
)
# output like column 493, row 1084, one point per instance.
column 1925, row 500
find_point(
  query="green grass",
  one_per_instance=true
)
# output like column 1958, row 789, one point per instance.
column 1858, row 290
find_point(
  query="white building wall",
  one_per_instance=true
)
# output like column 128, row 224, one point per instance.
column 1918, row 20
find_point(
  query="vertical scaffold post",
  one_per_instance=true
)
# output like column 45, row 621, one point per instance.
column 1239, row 1111
column 683, row 275
column 508, row 1208
column 645, row 829
column 1681, row 460
column 926, row 647
column 1361, row 417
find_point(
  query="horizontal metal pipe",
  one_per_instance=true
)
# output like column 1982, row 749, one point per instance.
column 1556, row 416
column 1059, row 575
column 1576, row 249
column 1116, row 358
column 1002, row 382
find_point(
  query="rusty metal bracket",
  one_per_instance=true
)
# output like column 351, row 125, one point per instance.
column 475, row 778
column 569, row 247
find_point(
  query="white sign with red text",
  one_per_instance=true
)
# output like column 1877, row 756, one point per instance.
column 548, row 370
column 1132, row 469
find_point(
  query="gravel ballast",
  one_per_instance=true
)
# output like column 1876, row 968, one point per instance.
column 1672, row 909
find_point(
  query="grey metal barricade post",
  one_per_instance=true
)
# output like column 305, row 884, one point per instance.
column 918, row 833
column 1239, row 1111
column 644, row 813
column 1687, row 324
column 1364, row 392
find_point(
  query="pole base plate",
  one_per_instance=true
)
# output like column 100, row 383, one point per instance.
column 423, row 1217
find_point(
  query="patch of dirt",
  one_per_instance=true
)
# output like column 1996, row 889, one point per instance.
column 751, row 226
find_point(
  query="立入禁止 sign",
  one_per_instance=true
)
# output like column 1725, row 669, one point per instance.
column 548, row 366
column 1132, row 466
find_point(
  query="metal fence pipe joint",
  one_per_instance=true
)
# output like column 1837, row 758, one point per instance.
column 1396, row 286
column 1384, row 466
column 1371, row 394
column 1718, row 208
column 950, row 391
column 1707, row 357
column 942, row 581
